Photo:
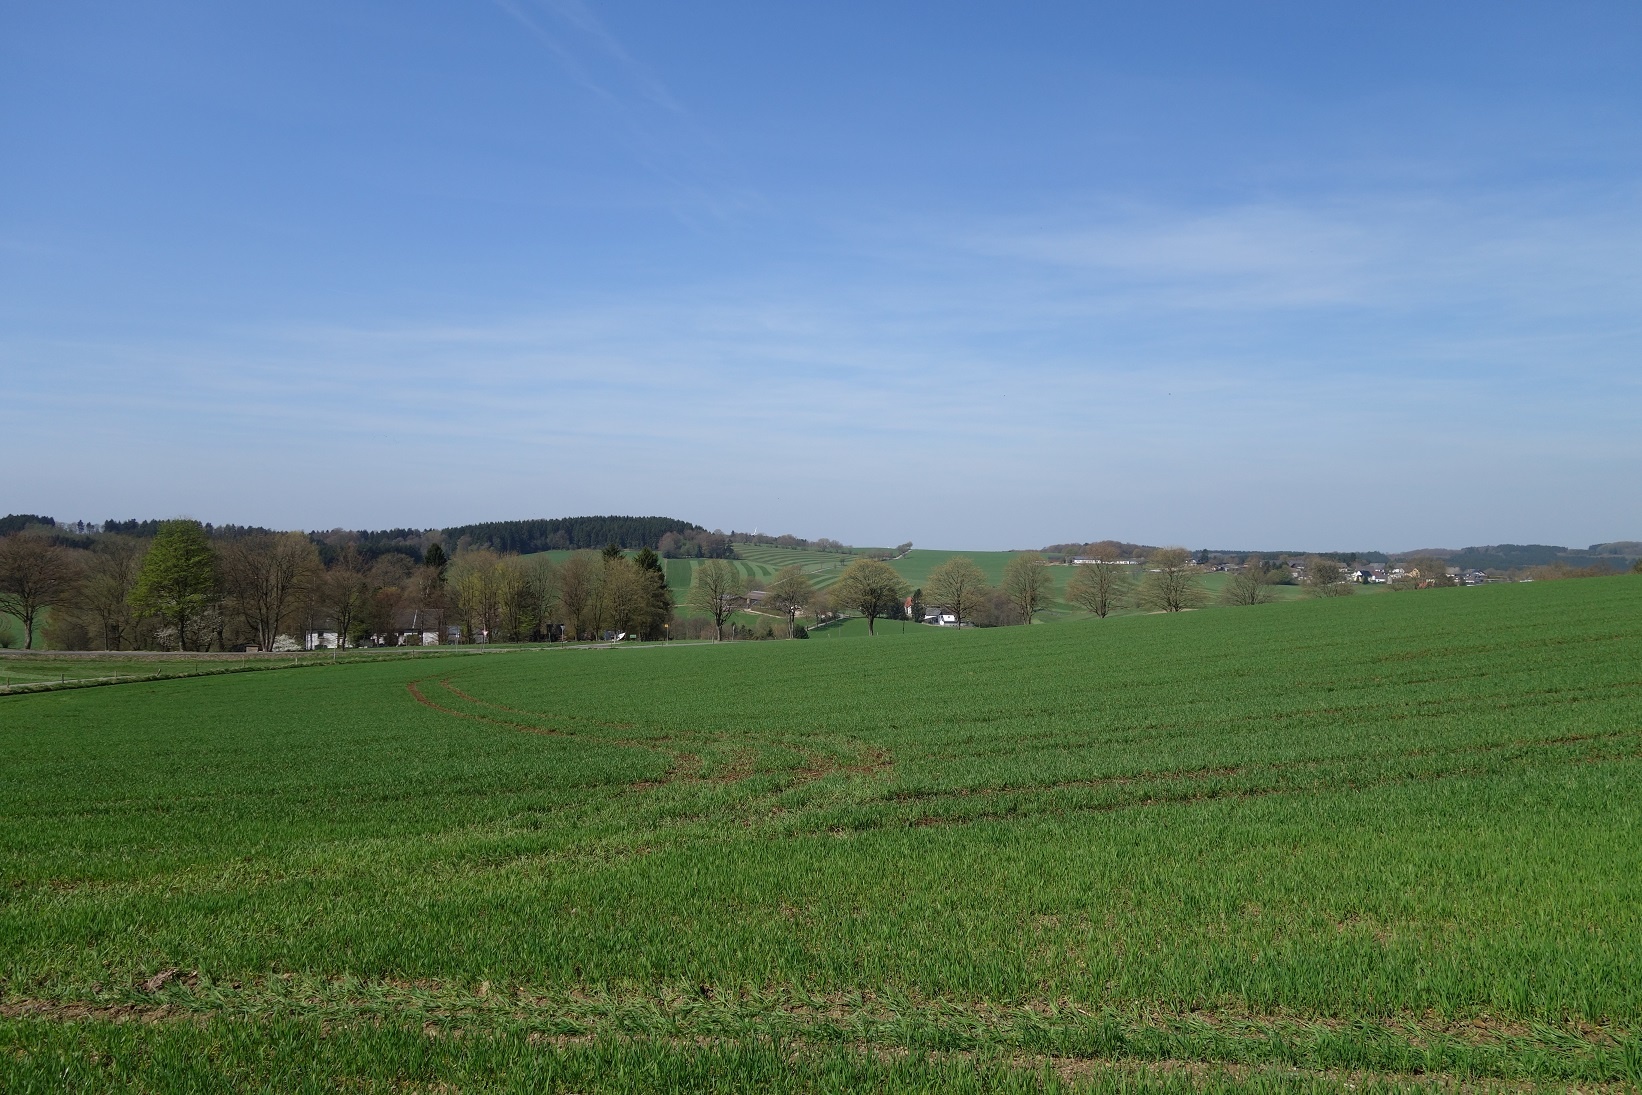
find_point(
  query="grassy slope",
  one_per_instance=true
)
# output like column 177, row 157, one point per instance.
column 759, row 564
column 1214, row 837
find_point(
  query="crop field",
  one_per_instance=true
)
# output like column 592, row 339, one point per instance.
column 40, row 668
column 1378, row 843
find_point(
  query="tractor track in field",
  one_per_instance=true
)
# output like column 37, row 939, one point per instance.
column 684, row 766
column 416, row 694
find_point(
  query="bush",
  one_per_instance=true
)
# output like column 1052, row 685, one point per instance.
column 65, row 631
column 799, row 631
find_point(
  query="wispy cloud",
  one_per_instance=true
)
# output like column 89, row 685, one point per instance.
column 664, row 137
column 1018, row 366
column 1539, row 254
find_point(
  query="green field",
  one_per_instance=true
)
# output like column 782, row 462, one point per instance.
column 1373, row 843
column 11, row 628
column 41, row 668
column 758, row 564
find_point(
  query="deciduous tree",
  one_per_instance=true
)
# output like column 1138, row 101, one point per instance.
column 541, row 591
column 267, row 577
column 1328, row 578
column 1170, row 584
column 477, row 591
column 626, row 595
column 1248, row 586
column 178, row 580
column 1426, row 571
column 717, row 590
column 105, row 595
column 958, row 586
column 1099, row 586
column 1027, row 583
column 872, row 588
column 790, row 593
column 578, row 579
column 35, row 574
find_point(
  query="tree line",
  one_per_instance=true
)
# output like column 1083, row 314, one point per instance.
column 570, row 533
column 186, row 589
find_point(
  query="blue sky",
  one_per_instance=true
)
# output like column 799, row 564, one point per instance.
column 1280, row 275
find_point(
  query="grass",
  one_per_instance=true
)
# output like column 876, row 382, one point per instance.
column 40, row 670
column 1381, row 842
column 11, row 630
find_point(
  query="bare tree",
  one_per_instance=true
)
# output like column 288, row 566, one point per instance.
column 1248, row 586
column 35, row 574
column 476, row 588
column 717, row 590
column 1100, row 586
column 428, row 593
column 105, row 595
column 577, row 579
column 267, row 577
column 625, row 595
column 1027, row 583
column 542, row 590
column 957, row 585
column 1170, row 584
column 513, row 597
column 1427, row 572
column 872, row 588
column 790, row 593
column 1328, row 578
column 343, row 593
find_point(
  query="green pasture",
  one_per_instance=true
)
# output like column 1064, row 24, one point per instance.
column 1374, row 843
column 11, row 629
